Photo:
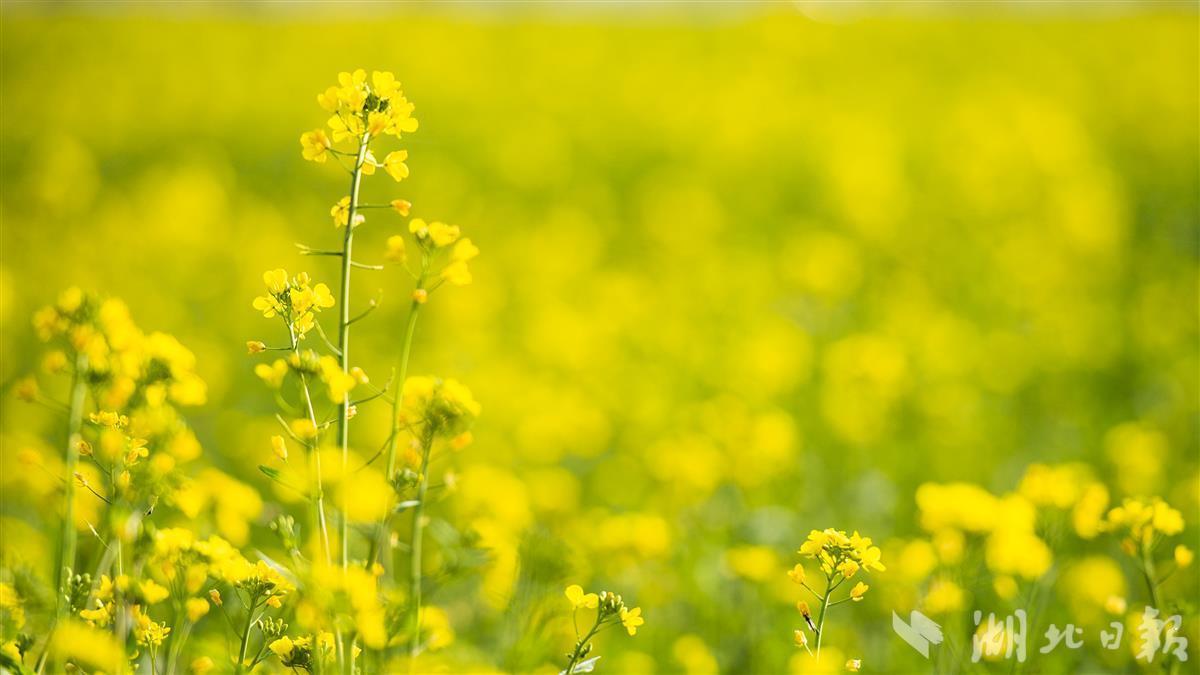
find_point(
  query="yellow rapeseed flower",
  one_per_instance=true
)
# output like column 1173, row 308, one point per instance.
column 384, row 85
column 346, row 128
column 396, row 252
column 272, row 374
column 152, row 592
column 341, row 212
column 377, row 122
column 631, row 619
column 196, row 608
column 328, row 99
column 279, row 447
column 443, row 234
column 148, row 633
column 800, row 638
column 282, row 647
column 457, row 273
column 352, row 91
column 87, row 646
column 464, row 250
column 394, row 164
column 303, row 428
column 315, row 145
column 848, row 568
column 579, row 599
column 1184, row 556
column 796, row 574
column 337, row 382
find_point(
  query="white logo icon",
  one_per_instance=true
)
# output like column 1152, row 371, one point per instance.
column 919, row 632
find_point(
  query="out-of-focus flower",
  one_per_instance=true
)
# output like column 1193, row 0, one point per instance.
column 1184, row 556
column 196, row 608
column 279, row 447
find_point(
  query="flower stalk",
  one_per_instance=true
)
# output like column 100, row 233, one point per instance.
column 314, row 457
column 384, row 542
column 610, row 611
column 415, row 545
column 66, row 557
column 344, row 322
column 840, row 557
column 583, row 646
column 241, row 668
column 830, row 587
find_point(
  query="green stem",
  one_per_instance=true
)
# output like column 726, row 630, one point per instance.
column 121, row 626
column 66, row 557
column 344, row 328
column 176, row 639
column 1148, row 574
column 830, row 587
column 384, row 542
column 318, row 489
column 318, row 497
column 821, row 624
column 418, row 531
column 246, row 635
column 581, row 644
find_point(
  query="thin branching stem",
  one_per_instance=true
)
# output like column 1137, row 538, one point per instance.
column 410, row 330
column 66, row 553
column 314, row 457
column 415, row 545
column 343, row 419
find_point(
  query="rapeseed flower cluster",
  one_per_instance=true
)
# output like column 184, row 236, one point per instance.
column 126, row 452
column 610, row 611
column 1007, row 524
column 294, row 300
column 839, row 558
column 655, row 392
column 357, row 593
column 1144, row 525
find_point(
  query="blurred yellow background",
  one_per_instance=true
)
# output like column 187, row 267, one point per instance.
column 744, row 273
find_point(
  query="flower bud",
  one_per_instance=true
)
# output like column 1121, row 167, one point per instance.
column 800, row 638
column 279, row 447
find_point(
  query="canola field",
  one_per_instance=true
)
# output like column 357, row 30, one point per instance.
column 699, row 339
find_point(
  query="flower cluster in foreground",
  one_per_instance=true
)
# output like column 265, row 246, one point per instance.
column 839, row 558
column 610, row 611
column 369, row 598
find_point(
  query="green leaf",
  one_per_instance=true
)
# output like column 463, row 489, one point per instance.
column 584, row 666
